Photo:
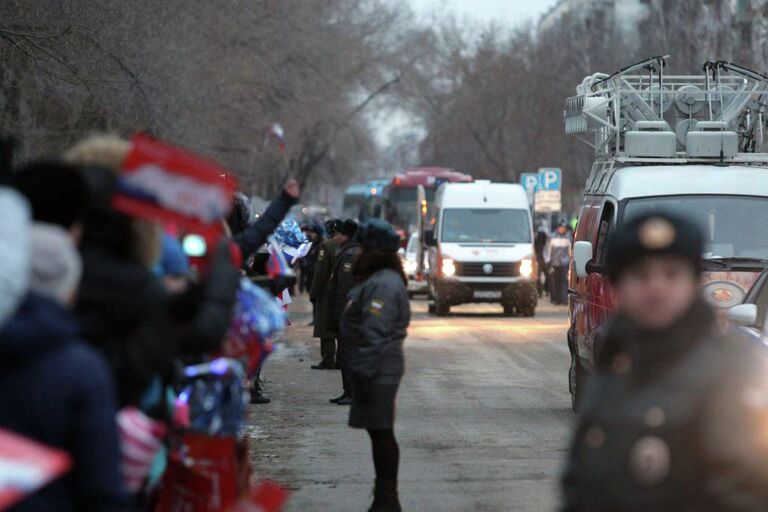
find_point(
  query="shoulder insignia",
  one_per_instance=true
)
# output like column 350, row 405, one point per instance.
column 377, row 306
column 347, row 267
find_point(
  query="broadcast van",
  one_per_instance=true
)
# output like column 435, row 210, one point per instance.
column 481, row 248
column 687, row 144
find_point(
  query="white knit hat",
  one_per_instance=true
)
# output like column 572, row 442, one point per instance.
column 55, row 263
column 14, row 251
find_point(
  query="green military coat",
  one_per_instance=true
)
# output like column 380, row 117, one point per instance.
column 318, row 293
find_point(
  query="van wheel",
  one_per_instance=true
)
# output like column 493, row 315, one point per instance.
column 576, row 381
column 527, row 311
column 441, row 307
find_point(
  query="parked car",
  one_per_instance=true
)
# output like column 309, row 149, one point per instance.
column 417, row 284
column 710, row 170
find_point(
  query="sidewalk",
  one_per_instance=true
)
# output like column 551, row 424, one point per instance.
column 302, row 426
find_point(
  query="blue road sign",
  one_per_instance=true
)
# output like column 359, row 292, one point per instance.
column 530, row 182
column 549, row 179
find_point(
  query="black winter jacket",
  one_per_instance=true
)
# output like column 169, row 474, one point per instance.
column 375, row 324
column 58, row 390
column 673, row 421
column 123, row 311
column 342, row 280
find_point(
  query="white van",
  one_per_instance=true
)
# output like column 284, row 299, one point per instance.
column 481, row 248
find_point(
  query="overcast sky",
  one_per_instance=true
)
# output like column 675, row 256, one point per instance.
column 506, row 12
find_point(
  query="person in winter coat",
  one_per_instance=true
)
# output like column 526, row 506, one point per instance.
column 250, row 236
column 319, row 294
column 374, row 325
column 675, row 416
column 342, row 281
column 539, row 244
column 315, row 236
column 58, row 390
column 123, row 307
column 557, row 255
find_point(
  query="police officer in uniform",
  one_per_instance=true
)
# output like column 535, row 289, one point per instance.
column 318, row 295
column 676, row 416
column 342, row 281
column 374, row 326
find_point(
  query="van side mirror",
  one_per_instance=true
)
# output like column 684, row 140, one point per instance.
column 429, row 238
column 743, row 314
column 582, row 256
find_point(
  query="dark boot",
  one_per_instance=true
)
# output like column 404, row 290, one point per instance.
column 257, row 397
column 257, row 393
column 342, row 396
column 346, row 400
column 385, row 497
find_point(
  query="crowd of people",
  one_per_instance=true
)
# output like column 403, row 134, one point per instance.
column 102, row 315
column 101, row 308
column 361, row 312
column 105, row 318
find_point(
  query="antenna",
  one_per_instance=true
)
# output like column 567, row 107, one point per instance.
column 641, row 111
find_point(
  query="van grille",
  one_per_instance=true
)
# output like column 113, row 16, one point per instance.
column 500, row 269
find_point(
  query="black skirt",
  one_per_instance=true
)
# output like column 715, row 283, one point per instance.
column 379, row 412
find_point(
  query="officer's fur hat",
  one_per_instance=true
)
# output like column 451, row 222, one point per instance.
column 379, row 235
column 332, row 226
column 661, row 233
column 348, row 228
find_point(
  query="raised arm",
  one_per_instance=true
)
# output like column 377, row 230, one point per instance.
column 255, row 235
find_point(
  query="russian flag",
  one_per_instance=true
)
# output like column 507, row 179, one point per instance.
column 277, row 264
column 276, row 130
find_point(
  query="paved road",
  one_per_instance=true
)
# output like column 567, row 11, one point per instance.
column 483, row 417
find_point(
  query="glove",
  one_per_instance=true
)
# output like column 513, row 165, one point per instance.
column 362, row 388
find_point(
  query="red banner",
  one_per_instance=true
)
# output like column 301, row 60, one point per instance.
column 26, row 466
column 164, row 183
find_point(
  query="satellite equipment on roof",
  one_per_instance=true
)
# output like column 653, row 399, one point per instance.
column 640, row 112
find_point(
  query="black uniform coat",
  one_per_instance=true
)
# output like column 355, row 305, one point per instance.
column 321, row 282
column 375, row 322
column 342, row 281
column 674, row 421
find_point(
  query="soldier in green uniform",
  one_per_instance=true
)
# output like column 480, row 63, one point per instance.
column 675, row 417
column 342, row 281
column 318, row 294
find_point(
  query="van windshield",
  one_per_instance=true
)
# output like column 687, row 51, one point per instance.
column 733, row 226
column 486, row 225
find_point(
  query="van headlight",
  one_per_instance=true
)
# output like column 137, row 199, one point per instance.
column 526, row 267
column 448, row 267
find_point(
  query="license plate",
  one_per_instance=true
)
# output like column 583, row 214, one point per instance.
column 487, row 294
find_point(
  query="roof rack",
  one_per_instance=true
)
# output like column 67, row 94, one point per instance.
column 639, row 113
